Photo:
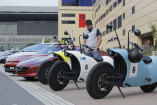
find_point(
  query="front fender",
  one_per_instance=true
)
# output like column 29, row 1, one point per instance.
column 61, row 54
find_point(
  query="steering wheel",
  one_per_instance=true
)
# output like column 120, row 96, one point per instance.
column 136, row 46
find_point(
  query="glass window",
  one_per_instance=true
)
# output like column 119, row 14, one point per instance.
column 115, row 4
column 78, row 2
column 123, row 32
column 120, row 21
column 107, row 30
column 68, row 22
column 68, row 15
column 35, row 48
column 133, row 27
column 8, row 28
column 119, row 1
column 123, row 3
column 111, row 28
column 48, row 50
column 123, row 15
column 133, row 9
column 107, row 1
column 115, row 24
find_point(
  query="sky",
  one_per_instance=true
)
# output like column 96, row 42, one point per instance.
column 28, row 2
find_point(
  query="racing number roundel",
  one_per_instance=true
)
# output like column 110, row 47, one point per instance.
column 86, row 66
column 133, row 69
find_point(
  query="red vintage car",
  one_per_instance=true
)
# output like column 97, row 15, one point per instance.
column 14, row 59
column 28, row 67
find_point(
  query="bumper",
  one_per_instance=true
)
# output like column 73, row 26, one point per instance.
column 10, row 70
column 10, row 67
column 31, row 72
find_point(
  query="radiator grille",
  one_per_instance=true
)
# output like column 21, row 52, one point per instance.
column 120, row 66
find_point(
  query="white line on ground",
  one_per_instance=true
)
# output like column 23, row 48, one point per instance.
column 41, row 94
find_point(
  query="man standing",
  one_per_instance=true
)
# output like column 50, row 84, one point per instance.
column 93, row 41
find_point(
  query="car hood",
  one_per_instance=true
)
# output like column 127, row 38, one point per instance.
column 19, row 56
column 3, row 57
column 34, row 61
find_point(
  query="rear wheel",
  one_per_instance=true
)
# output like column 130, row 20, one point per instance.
column 96, row 84
column 56, row 77
column 43, row 71
column 29, row 78
column 148, row 88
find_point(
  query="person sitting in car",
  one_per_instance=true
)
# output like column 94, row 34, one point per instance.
column 94, row 40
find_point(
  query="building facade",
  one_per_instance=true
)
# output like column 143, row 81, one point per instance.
column 24, row 26
column 124, row 15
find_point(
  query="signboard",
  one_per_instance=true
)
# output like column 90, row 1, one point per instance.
column 82, row 20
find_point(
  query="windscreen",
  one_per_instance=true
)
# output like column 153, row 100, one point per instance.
column 35, row 48
column 48, row 50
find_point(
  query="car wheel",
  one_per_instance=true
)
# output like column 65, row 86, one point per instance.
column 96, row 84
column 148, row 88
column 56, row 76
column 29, row 78
column 43, row 71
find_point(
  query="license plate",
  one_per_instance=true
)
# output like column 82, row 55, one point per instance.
column 12, row 67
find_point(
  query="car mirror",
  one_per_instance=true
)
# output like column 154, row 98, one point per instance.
column 66, row 32
column 86, row 36
column 137, row 32
column 109, row 26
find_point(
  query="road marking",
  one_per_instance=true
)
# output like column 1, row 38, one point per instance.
column 41, row 94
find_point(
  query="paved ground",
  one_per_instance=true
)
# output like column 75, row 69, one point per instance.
column 42, row 94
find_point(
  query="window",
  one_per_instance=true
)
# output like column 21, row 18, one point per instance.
column 107, row 12
column 115, row 24
column 68, row 22
column 111, row 28
column 119, row 1
column 78, row 2
column 120, row 21
column 123, row 32
column 133, row 27
column 107, row 30
column 123, row 16
column 133, row 9
column 107, row 1
column 110, row 8
column 68, row 15
column 115, row 4
column 123, row 3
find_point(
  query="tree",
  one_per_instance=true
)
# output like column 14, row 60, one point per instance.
column 47, row 40
column 154, row 32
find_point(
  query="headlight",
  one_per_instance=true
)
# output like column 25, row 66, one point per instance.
column 110, row 53
column 67, row 54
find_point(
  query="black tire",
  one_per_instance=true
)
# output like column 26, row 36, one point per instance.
column 43, row 71
column 148, row 88
column 55, row 79
column 93, row 84
column 29, row 78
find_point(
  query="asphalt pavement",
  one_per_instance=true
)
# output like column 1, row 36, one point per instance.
column 18, row 91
